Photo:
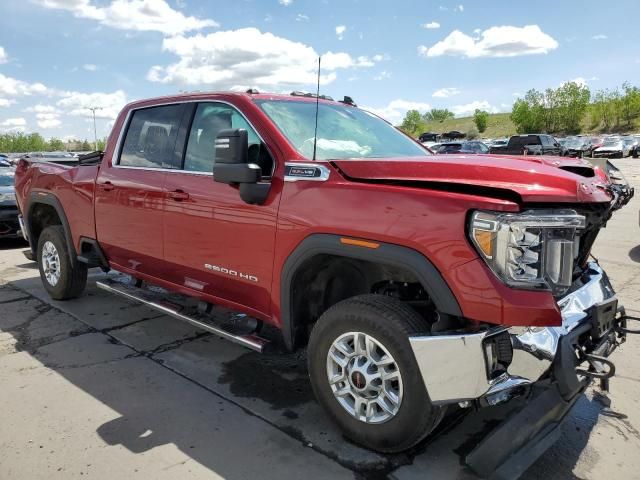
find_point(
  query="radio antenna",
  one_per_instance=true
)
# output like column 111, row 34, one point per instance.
column 315, row 132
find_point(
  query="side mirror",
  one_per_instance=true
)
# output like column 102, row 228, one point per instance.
column 231, row 166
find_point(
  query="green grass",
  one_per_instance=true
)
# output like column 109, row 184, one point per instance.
column 500, row 125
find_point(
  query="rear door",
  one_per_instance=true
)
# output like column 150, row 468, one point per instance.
column 215, row 243
column 130, row 189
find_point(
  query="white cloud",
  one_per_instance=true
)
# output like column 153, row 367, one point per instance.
column 40, row 108
column 581, row 80
column 3, row 56
column 395, row 111
column 599, row 36
column 430, row 25
column 503, row 41
column 18, row 124
column 383, row 75
column 442, row 8
column 78, row 104
column 142, row 15
column 446, row 92
column 286, row 3
column 247, row 57
column 301, row 17
column 5, row 102
column 48, row 120
column 11, row 87
column 458, row 8
column 340, row 29
column 468, row 108
column 90, row 67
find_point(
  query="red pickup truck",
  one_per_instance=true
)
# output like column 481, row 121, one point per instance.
column 416, row 282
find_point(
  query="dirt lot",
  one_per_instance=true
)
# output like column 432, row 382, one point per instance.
column 103, row 388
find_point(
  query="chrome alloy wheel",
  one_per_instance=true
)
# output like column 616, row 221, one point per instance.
column 51, row 263
column 364, row 377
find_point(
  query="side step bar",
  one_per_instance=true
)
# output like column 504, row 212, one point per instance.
column 145, row 297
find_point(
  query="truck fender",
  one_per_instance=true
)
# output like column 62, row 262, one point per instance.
column 50, row 199
column 386, row 253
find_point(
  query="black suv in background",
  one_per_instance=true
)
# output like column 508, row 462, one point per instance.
column 530, row 144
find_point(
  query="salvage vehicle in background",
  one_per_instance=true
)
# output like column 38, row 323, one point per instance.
column 461, row 147
column 580, row 147
column 529, row 144
column 9, row 227
column 613, row 147
column 415, row 282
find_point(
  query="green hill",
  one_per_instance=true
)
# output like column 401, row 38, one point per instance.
column 499, row 125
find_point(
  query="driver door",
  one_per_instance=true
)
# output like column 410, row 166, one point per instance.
column 215, row 243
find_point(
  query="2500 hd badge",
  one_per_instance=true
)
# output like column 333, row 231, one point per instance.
column 233, row 273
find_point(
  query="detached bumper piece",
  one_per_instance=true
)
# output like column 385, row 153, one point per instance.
column 547, row 367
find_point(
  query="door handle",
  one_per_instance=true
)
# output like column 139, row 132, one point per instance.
column 107, row 186
column 179, row 195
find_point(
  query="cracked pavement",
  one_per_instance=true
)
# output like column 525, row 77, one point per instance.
column 106, row 388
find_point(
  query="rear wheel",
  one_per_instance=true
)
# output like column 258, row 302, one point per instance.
column 364, row 373
column 62, row 276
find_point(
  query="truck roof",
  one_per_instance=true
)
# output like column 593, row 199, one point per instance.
column 294, row 96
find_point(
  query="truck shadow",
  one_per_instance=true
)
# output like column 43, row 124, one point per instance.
column 12, row 243
column 221, row 418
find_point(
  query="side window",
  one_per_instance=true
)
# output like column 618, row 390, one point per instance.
column 209, row 119
column 151, row 137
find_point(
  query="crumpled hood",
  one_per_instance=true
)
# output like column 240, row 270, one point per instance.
column 533, row 178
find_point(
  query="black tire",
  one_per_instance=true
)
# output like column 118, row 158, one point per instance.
column 390, row 322
column 73, row 274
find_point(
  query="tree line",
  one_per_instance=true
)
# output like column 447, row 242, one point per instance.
column 18, row 142
column 567, row 109
column 571, row 106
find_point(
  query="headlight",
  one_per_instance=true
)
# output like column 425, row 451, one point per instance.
column 534, row 249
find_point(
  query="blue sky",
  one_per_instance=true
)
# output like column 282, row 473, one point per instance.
column 58, row 57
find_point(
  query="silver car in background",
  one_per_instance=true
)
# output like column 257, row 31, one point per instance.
column 9, row 226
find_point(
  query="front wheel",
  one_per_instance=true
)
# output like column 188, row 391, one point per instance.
column 364, row 374
column 63, row 277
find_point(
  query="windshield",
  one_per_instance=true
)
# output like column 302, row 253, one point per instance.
column 6, row 180
column 611, row 143
column 575, row 143
column 343, row 131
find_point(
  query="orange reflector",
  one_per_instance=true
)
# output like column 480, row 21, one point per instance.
column 359, row 243
column 484, row 241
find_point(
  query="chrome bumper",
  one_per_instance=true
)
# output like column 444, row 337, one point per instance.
column 454, row 368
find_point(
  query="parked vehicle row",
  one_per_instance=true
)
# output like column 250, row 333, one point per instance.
column 609, row 146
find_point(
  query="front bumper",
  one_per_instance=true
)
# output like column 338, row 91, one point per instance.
column 608, row 154
column 455, row 367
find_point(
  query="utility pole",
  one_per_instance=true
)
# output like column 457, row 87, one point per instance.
column 95, row 133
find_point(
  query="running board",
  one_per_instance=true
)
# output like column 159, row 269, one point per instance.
column 146, row 297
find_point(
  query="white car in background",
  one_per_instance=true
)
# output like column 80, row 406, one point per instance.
column 613, row 147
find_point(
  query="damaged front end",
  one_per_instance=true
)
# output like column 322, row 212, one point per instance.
column 546, row 367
